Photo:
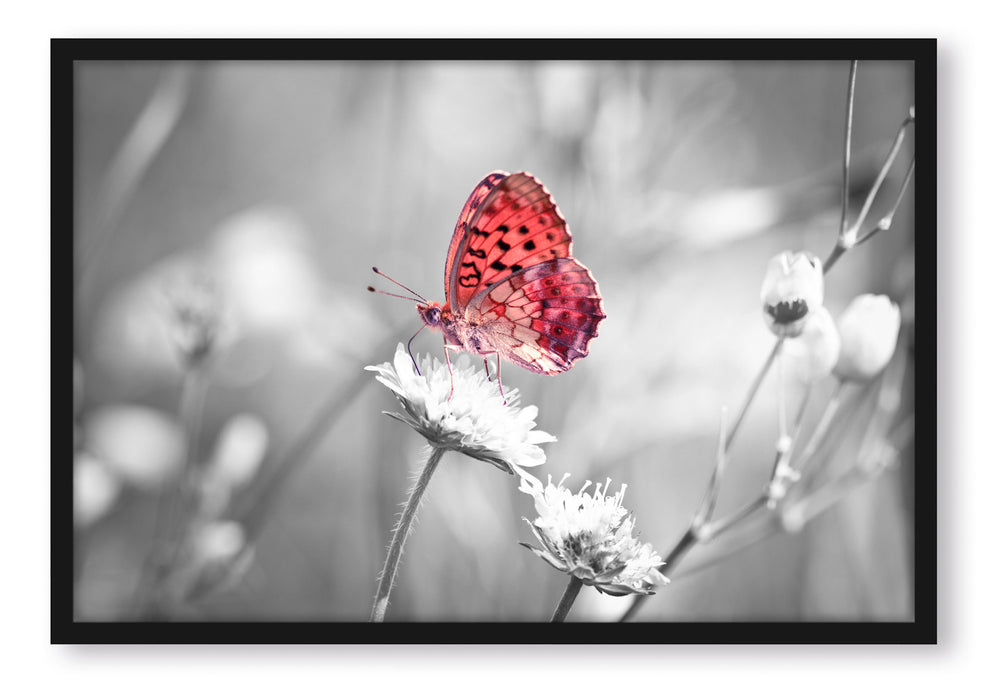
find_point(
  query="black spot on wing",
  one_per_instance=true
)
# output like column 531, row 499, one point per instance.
column 472, row 279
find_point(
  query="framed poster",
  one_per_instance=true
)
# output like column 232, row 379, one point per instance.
column 674, row 288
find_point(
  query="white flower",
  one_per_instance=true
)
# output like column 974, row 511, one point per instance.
column 476, row 420
column 792, row 289
column 868, row 329
column 813, row 354
column 590, row 537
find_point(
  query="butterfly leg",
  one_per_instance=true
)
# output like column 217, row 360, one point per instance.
column 409, row 349
column 446, row 353
column 487, row 372
column 498, row 373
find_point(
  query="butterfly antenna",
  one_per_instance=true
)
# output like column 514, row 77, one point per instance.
column 389, row 294
column 415, row 294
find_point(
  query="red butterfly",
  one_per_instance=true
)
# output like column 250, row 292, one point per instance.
column 512, row 287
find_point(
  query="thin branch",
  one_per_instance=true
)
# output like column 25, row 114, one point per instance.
column 690, row 536
column 862, row 473
column 721, row 526
column 847, row 151
column 824, row 423
column 704, row 514
column 754, row 387
column 886, row 221
column 850, row 236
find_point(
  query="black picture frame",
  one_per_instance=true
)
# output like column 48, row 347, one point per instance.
column 922, row 630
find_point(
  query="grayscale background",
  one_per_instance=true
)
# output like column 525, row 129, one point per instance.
column 283, row 183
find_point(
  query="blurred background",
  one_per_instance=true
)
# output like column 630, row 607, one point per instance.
column 259, row 195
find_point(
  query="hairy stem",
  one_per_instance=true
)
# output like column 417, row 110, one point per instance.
column 567, row 599
column 399, row 536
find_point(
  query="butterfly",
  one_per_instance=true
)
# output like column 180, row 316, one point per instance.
column 513, row 289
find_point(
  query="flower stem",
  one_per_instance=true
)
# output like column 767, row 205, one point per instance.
column 720, row 526
column 884, row 169
column 885, row 222
column 848, row 145
column 567, row 600
column 824, row 423
column 400, row 534
column 172, row 515
column 704, row 514
column 752, row 392
column 781, row 403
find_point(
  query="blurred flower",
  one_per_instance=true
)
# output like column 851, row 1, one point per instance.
column 237, row 455
column 476, row 420
column 171, row 304
column 239, row 449
column 868, row 328
column 143, row 446
column 219, row 556
column 707, row 220
column 566, row 98
column 792, row 288
column 265, row 266
column 94, row 489
column 590, row 538
column 196, row 313
column 270, row 278
column 813, row 354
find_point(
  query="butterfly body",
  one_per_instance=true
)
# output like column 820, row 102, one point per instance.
column 458, row 332
column 512, row 287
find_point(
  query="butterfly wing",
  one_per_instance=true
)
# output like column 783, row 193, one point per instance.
column 508, row 224
column 542, row 317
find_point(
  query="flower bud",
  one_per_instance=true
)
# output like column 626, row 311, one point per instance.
column 792, row 289
column 197, row 318
column 812, row 355
column 868, row 330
